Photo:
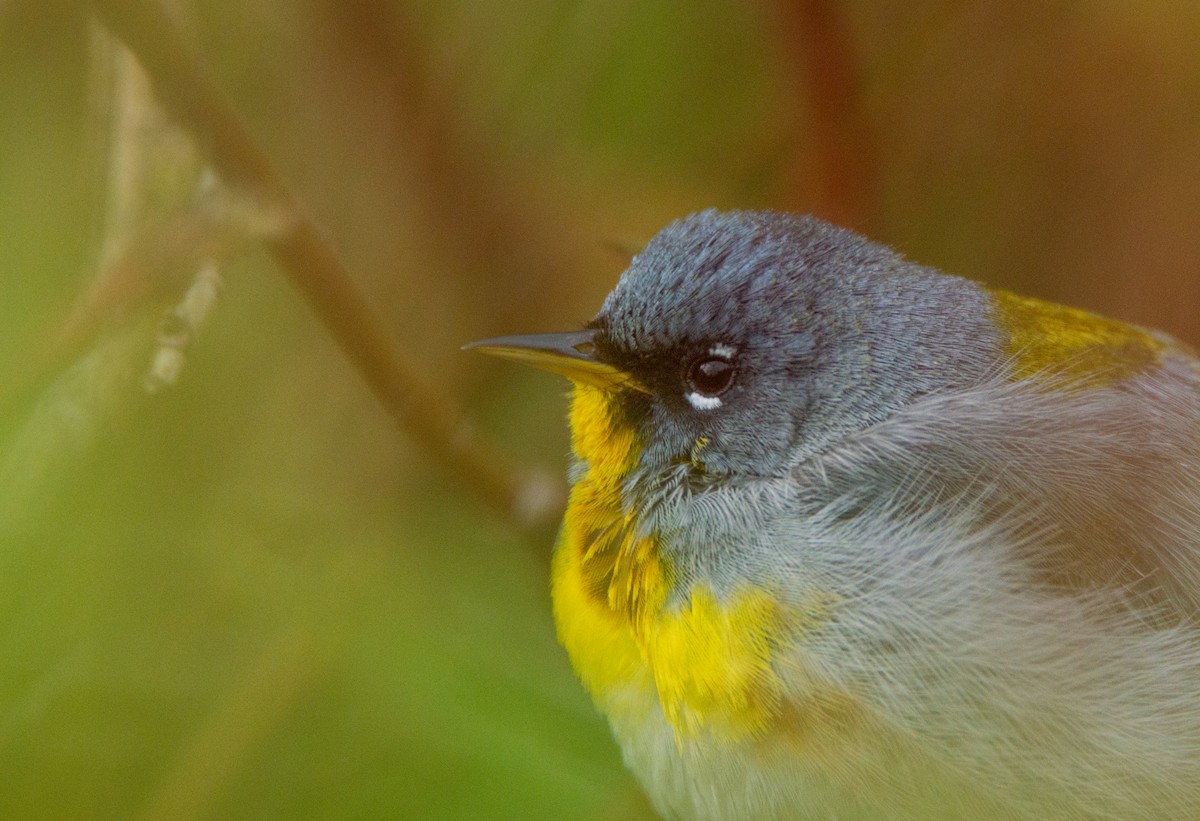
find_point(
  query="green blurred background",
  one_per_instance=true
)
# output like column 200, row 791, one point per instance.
column 253, row 595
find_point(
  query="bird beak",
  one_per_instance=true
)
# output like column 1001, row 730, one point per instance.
column 572, row 355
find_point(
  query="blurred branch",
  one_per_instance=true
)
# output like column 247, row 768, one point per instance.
column 816, row 35
column 82, row 378
column 126, row 101
column 180, row 325
column 161, row 255
column 525, row 498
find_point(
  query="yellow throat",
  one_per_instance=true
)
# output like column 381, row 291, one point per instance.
column 706, row 662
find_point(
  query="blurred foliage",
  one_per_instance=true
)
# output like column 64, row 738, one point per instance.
column 251, row 595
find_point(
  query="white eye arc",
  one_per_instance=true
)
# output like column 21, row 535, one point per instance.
column 709, row 376
column 701, row 402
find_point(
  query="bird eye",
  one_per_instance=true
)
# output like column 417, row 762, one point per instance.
column 710, row 375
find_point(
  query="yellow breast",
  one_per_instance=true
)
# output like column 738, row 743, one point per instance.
column 705, row 662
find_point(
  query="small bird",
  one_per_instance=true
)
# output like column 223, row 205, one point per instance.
column 851, row 538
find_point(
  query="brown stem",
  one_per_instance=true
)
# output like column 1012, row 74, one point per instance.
column 817, row 37
column 523, row 498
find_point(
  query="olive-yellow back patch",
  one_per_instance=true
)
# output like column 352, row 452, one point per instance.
column 1043, row 338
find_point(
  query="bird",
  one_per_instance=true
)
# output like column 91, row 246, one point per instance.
column 852, row 538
